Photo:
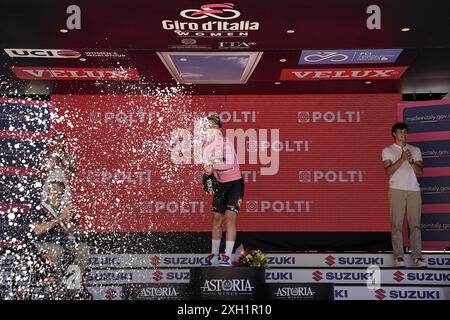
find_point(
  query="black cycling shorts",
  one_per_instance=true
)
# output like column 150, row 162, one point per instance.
column 228, row 196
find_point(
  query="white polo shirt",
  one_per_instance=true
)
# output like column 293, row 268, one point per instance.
column 404, row 178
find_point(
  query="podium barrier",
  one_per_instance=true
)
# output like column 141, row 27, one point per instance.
column 227, row 283
column 298, row 291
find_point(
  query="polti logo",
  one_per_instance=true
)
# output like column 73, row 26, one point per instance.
column 155, row 260
column 343, row 74
column 110, row 294
column 47, row 73
column 121, row 117
column 303, row 117
column 278, row 206
column 331, row 176
column 329, row 117
column 380, row 294
column 172, row 206
column 304, row 176
column 236, row 116
column 398, row 276
column 42, row 53
column 317, row 275
column 290, row 146
column 157, row 275
column 330, row 260
column 251, row 206
column 221, row 11
column 120, row 177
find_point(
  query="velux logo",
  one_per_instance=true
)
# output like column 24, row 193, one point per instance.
column 343, row 73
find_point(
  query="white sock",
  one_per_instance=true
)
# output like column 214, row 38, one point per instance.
column 229, row 248
column 215, row 247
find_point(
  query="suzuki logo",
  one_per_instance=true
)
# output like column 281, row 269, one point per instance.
column 317, row 275
column 155, row 260
column 157, row 275
column 222, row 11
column 398, row 276
column 330, row 260
column 110, row 294
column 380, row 294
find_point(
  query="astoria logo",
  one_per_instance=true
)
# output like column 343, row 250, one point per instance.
column 158, row 292
column 227, row 286
column 294, row 292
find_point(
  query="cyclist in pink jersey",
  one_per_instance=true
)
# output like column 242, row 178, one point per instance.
column 221, row 164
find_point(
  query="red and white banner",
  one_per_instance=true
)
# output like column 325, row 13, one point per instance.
column 381, row 73
column 51, row 73
column 329, row 175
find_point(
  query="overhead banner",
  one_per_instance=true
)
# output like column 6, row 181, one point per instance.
column 354, row 56
column 428, row 128
column 310, row 162
column 379, row 73
column 51, row 73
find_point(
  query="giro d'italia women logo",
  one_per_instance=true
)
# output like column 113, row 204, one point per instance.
column 222, row 11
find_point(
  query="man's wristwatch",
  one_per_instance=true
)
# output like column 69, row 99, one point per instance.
column 411, row 162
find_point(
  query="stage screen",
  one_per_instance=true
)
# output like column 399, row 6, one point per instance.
column 311, row 163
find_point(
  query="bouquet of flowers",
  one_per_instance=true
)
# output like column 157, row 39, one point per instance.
column 250, row 258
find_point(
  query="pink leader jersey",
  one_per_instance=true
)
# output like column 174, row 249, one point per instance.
column 220, row 153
